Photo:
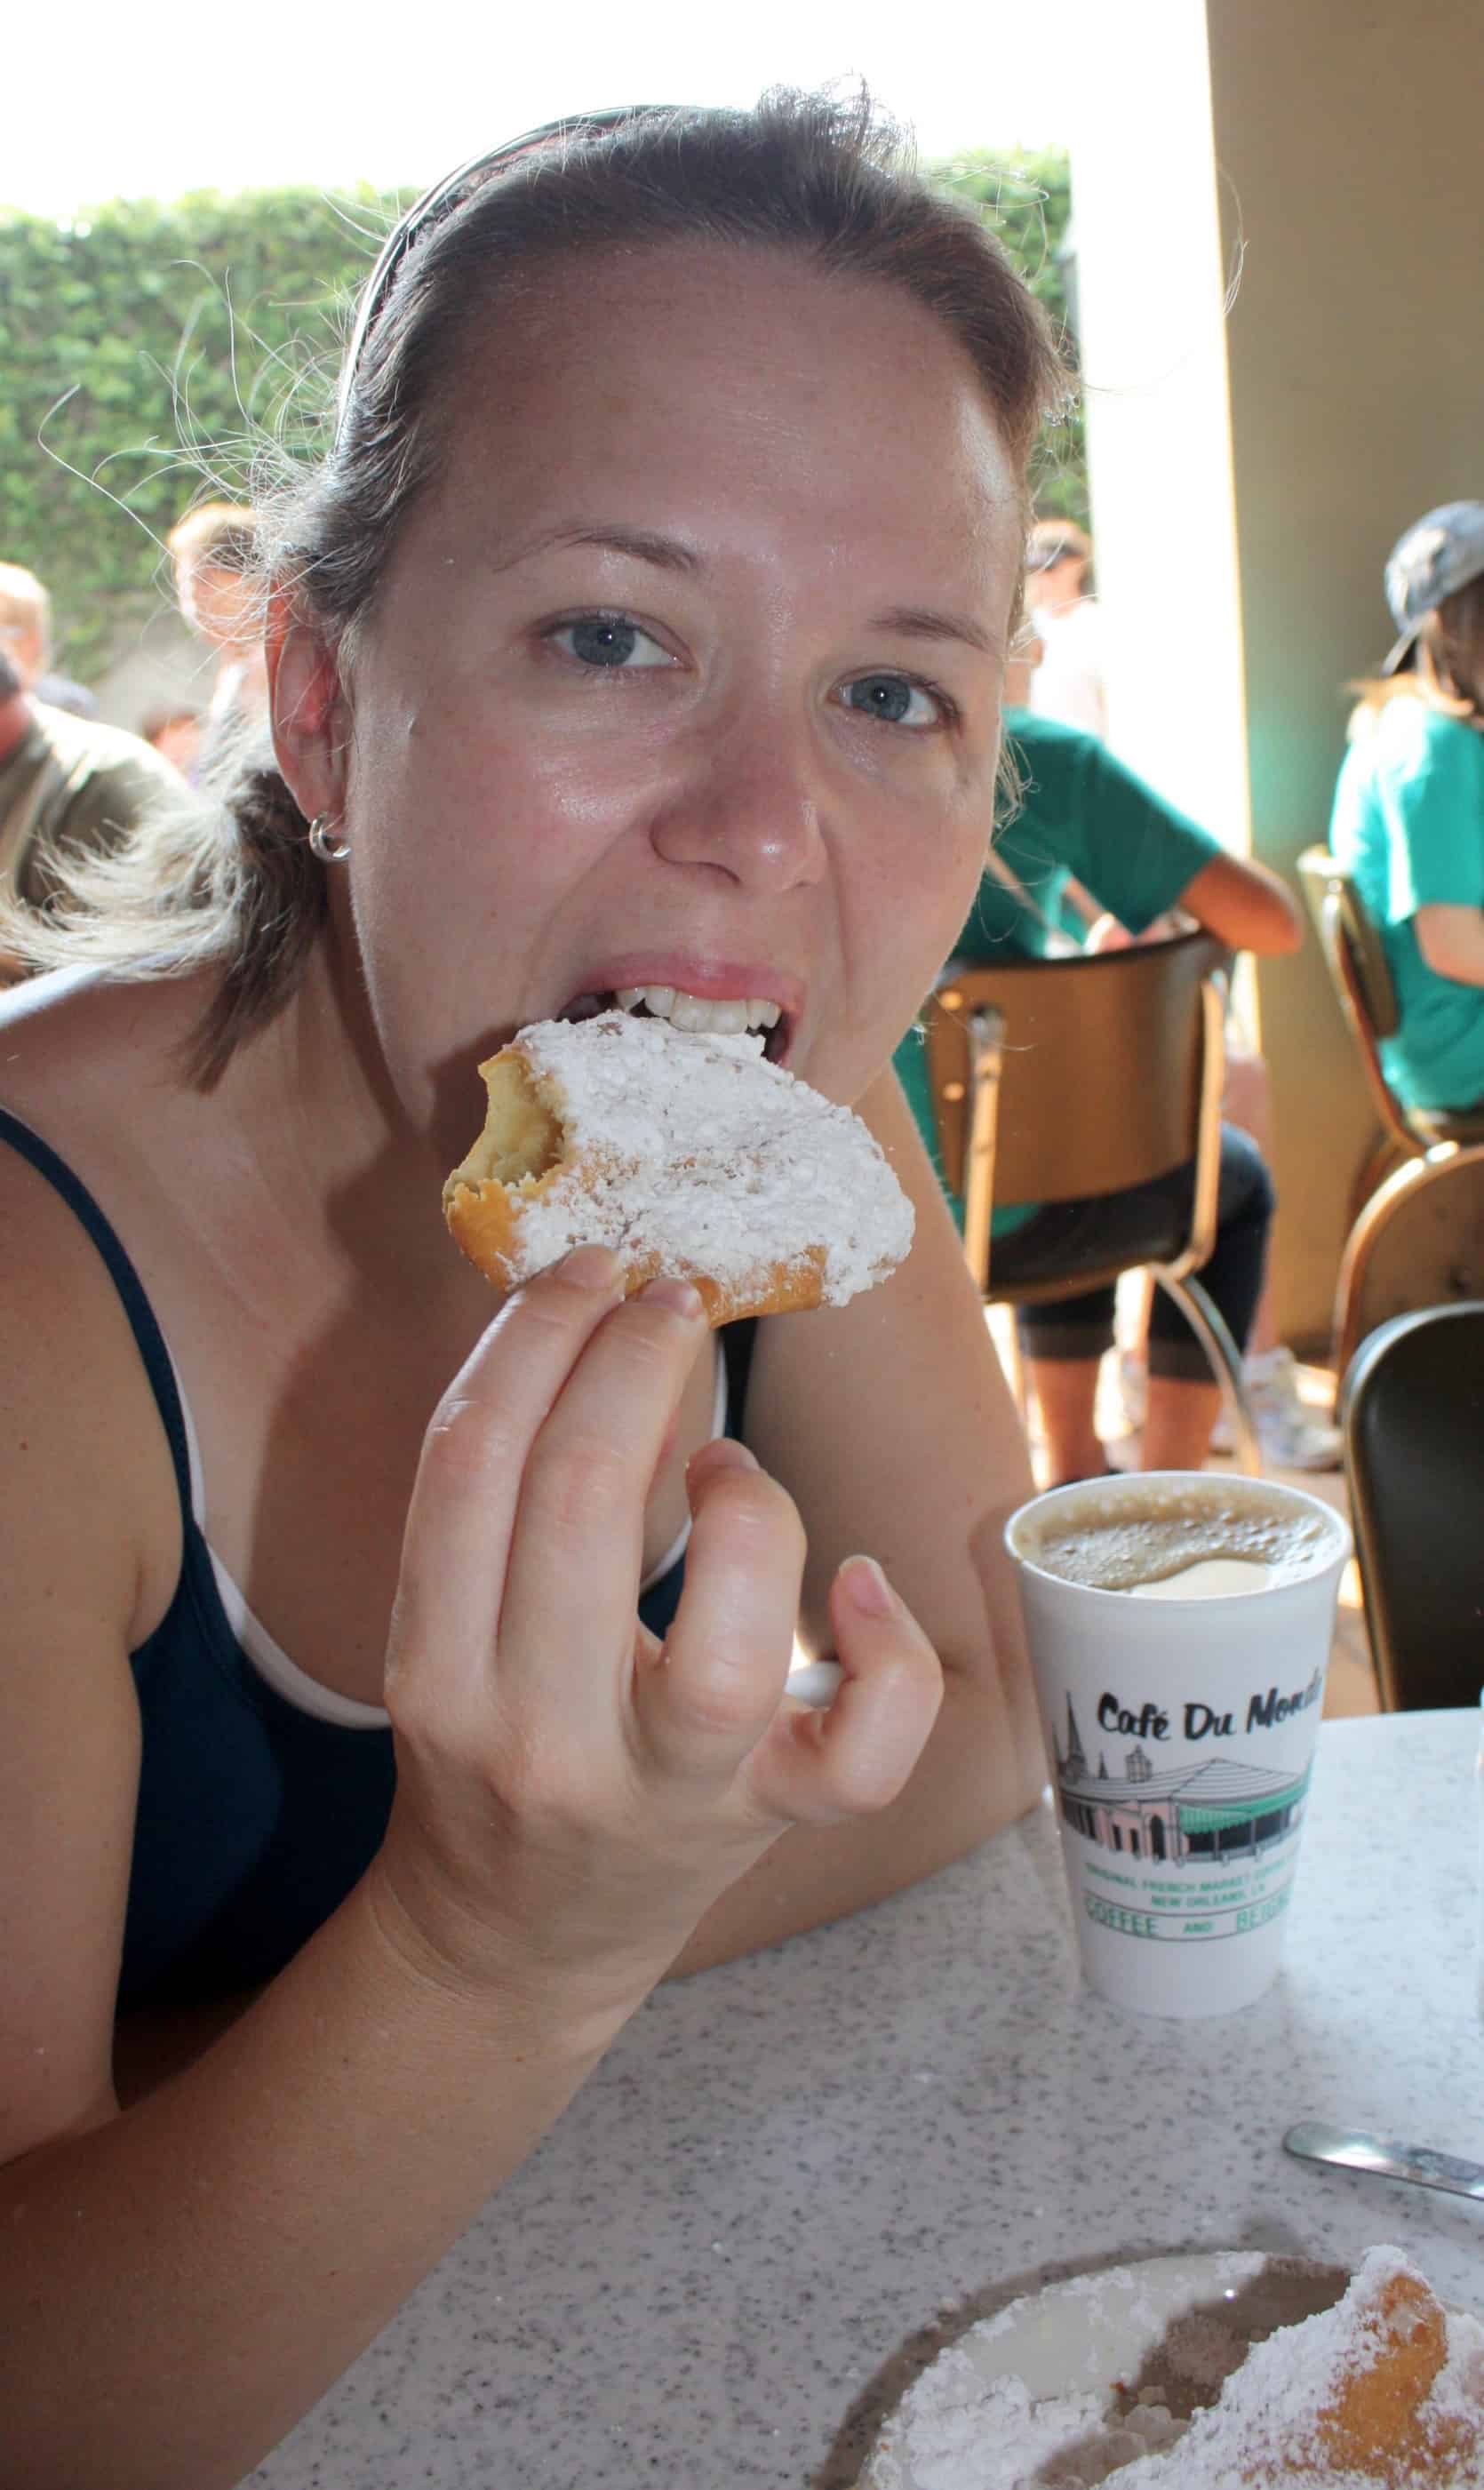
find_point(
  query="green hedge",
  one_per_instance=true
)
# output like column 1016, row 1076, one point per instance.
column 133, row 348
column 1027, row 198
column 139, row 348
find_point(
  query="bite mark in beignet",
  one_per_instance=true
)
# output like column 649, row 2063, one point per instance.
column 686, row 1153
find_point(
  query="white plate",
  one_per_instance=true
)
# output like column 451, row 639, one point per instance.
column 1178, row 2324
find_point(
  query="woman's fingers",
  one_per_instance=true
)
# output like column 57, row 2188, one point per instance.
column 702, row 1703
column 524, row 1538
column 715, row 1701
column 464, row 1502
column 572, row 1580
column 817, row 1766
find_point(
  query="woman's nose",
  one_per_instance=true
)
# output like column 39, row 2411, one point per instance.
column 749, row 807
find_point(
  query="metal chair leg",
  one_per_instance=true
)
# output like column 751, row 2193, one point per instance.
column 1211, row 1329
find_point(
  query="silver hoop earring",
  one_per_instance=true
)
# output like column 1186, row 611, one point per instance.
column 328, row 848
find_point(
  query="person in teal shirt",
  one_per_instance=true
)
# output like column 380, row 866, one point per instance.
column 1408, row 809
column 1089, row 836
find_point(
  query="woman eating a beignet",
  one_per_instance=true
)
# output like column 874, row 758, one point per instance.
column 393, row 1685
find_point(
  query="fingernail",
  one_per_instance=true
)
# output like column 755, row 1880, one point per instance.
column 678, row 1295
column 722, row 1453
column 866, row 1586
column 593, row 1267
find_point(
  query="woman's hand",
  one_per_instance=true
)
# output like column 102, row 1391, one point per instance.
column 1107, row 933
column 572, row 1797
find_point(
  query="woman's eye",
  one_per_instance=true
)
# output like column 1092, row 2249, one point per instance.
column 609, row 640
column 895, row 700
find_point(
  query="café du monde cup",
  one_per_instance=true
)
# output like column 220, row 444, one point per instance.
column 1180, row 1711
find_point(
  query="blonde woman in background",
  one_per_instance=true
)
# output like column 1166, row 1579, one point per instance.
column 213, row 554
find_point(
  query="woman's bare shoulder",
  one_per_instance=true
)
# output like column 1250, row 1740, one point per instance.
column 89, row 1551
column 78, row 1046
column 83, row 1431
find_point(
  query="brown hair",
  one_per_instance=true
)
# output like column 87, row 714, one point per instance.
column 1447, row 662
column 826, row 179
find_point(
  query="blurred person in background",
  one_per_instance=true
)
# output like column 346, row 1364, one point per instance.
column 1291, row 1434
column 69, row 785
column 25, row 632
column 1092, row 853
column 177, row 734
column 1408, row 809
column 59, row 691
column 1067, row 681
column 214, row 552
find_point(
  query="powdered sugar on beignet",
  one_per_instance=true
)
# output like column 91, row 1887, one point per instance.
column 688, row 1154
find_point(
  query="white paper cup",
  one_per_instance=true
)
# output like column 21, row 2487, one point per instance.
column 1181, row 1732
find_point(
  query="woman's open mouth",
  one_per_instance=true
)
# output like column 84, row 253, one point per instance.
column 731, row 1017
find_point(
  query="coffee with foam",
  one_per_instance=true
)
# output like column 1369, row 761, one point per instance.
column 1198, row 1540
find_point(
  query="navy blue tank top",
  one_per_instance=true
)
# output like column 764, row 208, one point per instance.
column 255, row 1817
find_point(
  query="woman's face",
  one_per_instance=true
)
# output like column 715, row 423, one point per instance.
column 686, row 674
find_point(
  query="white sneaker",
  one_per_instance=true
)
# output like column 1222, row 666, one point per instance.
column 1289, row 1434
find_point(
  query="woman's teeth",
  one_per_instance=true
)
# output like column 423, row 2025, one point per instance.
column 726, row 1019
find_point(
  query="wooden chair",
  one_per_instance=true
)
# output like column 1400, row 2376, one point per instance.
column 1417, row 1234
column 1053, row 1080
column 1413, row 1412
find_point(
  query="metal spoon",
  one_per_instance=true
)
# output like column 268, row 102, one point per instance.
column 1355, row 2149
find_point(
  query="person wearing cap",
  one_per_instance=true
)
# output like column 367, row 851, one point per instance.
column 1408, row 809
column 1067, row 684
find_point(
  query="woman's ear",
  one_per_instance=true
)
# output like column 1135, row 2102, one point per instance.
column 307, row 705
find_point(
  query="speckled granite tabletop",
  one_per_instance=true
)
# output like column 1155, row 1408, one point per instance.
column 733, row 2251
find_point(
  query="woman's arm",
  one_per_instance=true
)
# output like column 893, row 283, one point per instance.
column 1451, row 942
column 180, row 2282
column 183, row 2278
column 1246, row 906
column 890, row 1423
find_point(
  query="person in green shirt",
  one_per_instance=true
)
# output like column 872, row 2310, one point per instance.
column 1088, row 835
column 1408, row 809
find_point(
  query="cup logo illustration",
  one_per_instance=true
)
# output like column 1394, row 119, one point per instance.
column 1206, row 1812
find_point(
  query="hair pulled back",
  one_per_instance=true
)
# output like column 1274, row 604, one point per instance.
column 1447, row 666
column 827, row 179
